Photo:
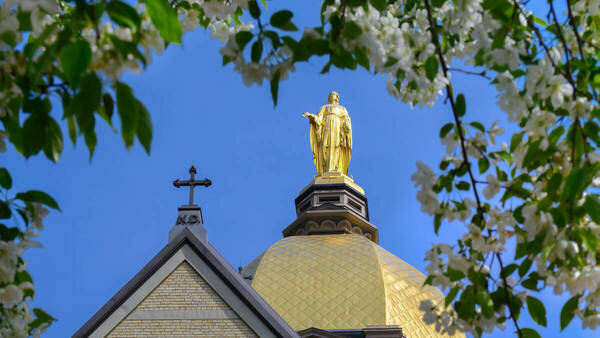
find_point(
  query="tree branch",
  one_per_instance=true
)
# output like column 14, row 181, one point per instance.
column 579, row 40
column 457, row 120
column 482, row 73
column 566, row 48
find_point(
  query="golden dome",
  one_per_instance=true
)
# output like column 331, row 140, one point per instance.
column 341, row 282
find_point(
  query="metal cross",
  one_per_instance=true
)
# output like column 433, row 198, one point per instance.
column 192, row 183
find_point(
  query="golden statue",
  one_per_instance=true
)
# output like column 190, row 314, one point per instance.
column 331, row 137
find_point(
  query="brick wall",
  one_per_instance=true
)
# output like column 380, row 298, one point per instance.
column 185, row 328
column 184, row 289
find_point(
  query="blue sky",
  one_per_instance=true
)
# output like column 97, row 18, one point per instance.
column 118, row 209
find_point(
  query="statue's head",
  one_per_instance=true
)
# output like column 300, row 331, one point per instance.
column 333, row 98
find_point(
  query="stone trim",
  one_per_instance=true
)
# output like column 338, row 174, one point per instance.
column 357, row 225
column 314, row 187
column 183, row 314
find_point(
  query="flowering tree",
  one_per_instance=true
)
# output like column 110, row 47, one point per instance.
column 529, row 209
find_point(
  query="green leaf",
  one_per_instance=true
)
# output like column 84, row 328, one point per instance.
column 361, row 58
column 127, row 49
column 524, row 267
column 91, row 90
column 576, row 183
column 378, row 4
column 254, row 9
column 127, row 107
column 275, row 87
column 5, row 179
column 461, row 105
column 484, row 164
column 90, row 141
column 24, row 20
column 257, row 49
column 4, row 210
column 478, row 125
column 446, row 129
column 164, row 17
column 87, row 102
column 390, row 62
column 487, row 304
column 515, row 140
column 463, row 185
column 556, row 134
column 533, row 155
column 537, row 311
column 22, row 277
column 109, row 106
column 274, row 37
column 451, row 295
column 529, row 333
column 242, row 38
column 72, row 127
column 282, row 20
column 74, row 60
column 53, row 142
column 356, row 3
column 42, row 318
column 592, row 131
column 8, row 234
column 590, row 239
column 431, row 67
column 568, row 312
column 554, row 183
column 123, row 14
column 547, row 249
column 351, row 30
column 41, row 132
column 509, row 269
column 144, row 127
column 39, row 197
column 437, row 222
column 539, row 21
column 592, row 206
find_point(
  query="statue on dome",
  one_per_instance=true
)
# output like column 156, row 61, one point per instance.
column 331, row 137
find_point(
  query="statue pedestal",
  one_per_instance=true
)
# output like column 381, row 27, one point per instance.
column 334, row 177
column 189, row 216
column 332, row 204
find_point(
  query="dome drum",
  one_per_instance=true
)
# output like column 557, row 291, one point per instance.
column 333, row 206
column 336, row 194
column 328, row 219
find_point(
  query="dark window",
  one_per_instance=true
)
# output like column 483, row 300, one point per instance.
column 325, row 199
column 355, row 205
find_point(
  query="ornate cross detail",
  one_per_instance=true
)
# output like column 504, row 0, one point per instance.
column 192, row 183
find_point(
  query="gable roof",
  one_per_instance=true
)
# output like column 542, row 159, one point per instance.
column 210, row 257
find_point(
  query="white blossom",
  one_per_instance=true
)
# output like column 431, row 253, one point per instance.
column 10, row 295
column 494, row 131
column 492, row 187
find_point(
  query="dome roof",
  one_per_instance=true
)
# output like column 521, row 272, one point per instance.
column 342, row 281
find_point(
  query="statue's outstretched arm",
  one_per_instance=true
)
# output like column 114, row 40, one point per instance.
column 312, row 118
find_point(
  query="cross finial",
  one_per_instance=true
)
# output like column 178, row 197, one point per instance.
column 192, row 183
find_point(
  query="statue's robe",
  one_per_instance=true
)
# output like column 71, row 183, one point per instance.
column 331, row 139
